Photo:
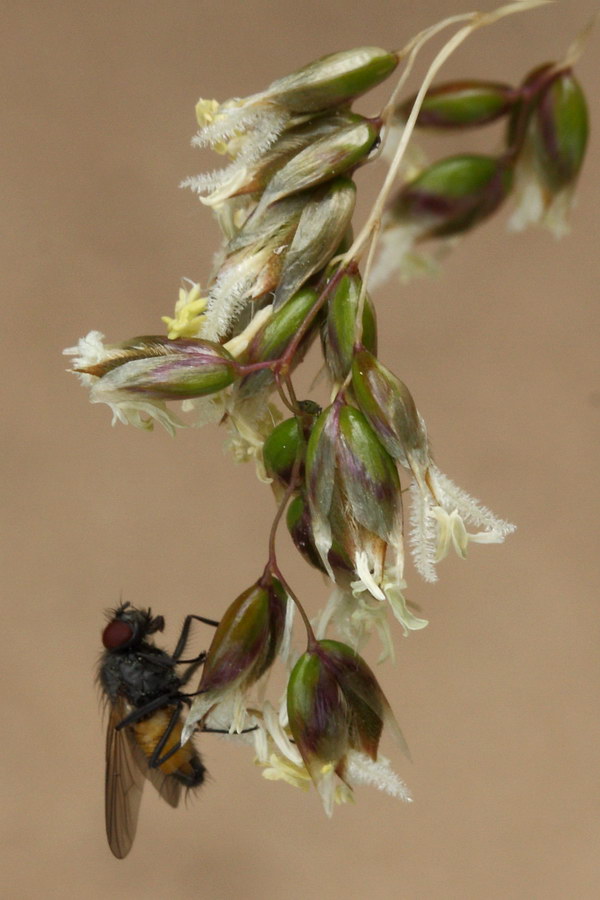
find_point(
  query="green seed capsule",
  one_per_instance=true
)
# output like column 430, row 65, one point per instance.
column 287, row 442
column 335, row 704
column 161, row 369
column 275, row 336
column 317, row 714
column 559, row 131
column 282, row 448
column 333, row 80
column 453, row 194
column 340, row 329
column 462, row 104
column 370, row 478
column 247, row 638
column 283, row 325
column 352, row 487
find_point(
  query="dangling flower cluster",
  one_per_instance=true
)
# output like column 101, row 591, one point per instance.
column 546, row 134
column 289, row 273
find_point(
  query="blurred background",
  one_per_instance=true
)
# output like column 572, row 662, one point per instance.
column 498, row 697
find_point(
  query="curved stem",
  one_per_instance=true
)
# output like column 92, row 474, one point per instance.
column 291, row 403
column 360, row 311
column 310, row 635
column 411, row 50
column 244, row 369
column 289, row 385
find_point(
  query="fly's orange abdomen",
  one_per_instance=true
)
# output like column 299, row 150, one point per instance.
column 148, row 732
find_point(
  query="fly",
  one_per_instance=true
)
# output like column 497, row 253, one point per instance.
column 143, row 740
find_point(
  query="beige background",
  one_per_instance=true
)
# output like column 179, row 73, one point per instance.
column 499, row 696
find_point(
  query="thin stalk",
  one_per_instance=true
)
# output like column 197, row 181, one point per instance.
column 411, row 50
column 292, row 403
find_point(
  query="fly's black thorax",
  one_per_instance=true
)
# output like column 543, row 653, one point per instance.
column 139, row 674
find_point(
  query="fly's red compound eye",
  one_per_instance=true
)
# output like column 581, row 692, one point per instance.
column 117, row 634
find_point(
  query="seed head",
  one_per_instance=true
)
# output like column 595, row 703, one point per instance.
column 335, row 705
column 244, row 646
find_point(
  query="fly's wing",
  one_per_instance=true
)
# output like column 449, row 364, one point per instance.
column 123, row 785
column 126, row 770
column 168, row 788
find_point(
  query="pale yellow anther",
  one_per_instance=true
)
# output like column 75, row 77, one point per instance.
column 280, row 769
column 206, row 112
column 189, row 314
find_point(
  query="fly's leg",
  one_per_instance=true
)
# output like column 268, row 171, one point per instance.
column 192, row 668
column 183, row 637
column 144, row 711
column 225, row 731
column 155, row 759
